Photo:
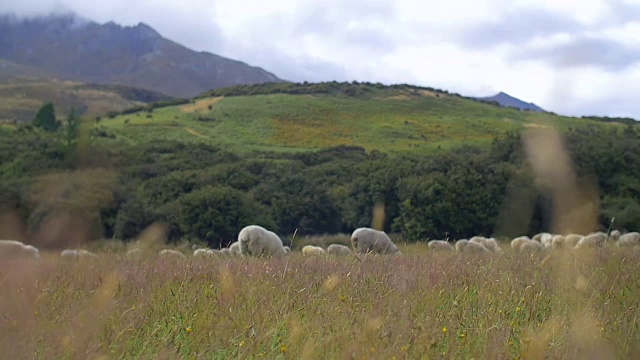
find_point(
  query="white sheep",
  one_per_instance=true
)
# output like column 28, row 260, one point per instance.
column 467, row 247
column 235, row 248
column 615, row 235
column 572, row 240
column 337, row 249
column 170, row 253
column 310, row 250
column 557, row 243
column 365, row 240
column 257, row 241
column 440, row 245
column 517, row 242
column 202, row 253
column 547, row 240
column 287, row 249
column 532, row 246
column 592, row 240
column 16, row 249
column 226, row 252
column 489, row 243
column 134, row 254
column 538, row 237
column 77, row 253
column 628, row 239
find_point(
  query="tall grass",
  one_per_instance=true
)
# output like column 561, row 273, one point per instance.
column 420, row 305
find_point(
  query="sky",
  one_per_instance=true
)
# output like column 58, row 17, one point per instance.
column 573, row 57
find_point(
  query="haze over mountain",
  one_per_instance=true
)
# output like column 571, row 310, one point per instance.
column 69, row 47
column 507, row 100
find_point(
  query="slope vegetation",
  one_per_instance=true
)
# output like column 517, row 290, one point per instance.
column 299, row 117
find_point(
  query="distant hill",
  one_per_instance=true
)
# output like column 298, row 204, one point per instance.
column 68, row 47
column 507, row 100
column 21, row 97
column 289, row 117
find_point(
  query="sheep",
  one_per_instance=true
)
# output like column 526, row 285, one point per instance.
column 629, row 239
column 557, row 242
column 532, row 246
column 134, row 254
column 547, row 240
column 202, row 253
column 257, row 241
column 538, row 237
column 592, row 240
column 337, row 249
column 16, row 249
column 466, row 246
column 490, row 244
column 226, row 252
column 287, row 249
column 517, row 242
column 235, row 248
column 311, row 250
column 365, row 240
column 440, row 245
column 77, row 253
column 170, row 253
column 572, row 240
column 615, row 235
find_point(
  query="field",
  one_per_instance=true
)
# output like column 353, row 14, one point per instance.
column 21, row 97
column 417, row 305
column 388, row 120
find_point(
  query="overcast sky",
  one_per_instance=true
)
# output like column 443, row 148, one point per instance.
column 573, row 57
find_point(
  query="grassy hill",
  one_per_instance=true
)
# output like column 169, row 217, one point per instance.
column 299, row 117
column 21, row 97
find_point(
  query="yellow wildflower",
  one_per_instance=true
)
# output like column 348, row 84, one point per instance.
column 189, row 330
column 444, row 330
column 283, row 349
column 518, row 309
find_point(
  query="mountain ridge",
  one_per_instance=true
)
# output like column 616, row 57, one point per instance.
column 506, row 100
column 72, row 48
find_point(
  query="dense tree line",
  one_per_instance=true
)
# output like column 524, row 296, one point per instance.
column 202, row 192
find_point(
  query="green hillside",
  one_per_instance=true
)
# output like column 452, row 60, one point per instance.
column 21, row 97
column 391, row 119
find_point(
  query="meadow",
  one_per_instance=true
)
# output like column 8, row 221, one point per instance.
column 422, row 304
column 391, row 120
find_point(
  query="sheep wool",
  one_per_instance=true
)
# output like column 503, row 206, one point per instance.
column 257, row 241
column 365, row 240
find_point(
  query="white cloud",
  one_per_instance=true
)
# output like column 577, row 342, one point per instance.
column 465, row 46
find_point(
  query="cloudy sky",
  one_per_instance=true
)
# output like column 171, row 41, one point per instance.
column 573, row 57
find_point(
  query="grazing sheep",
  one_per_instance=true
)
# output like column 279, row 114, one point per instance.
column 532, row 246
column 538, row 237
column 468, row 247
column 557, row 243
column 615, row 235
column 134, row 254
column 16, row 249
column 490, row 244
column 365, row 240
column 235, row 248
column 440, row 245
column 572, row 240
column 202, row 253
column 170, row 253
column 629, row 239
column 226, row 252
column 592, row 240
column 517, row 242
column 77, row 253
column 257, row 241
column 547, row 240
column 337, row 249
column 311, row 250
column 287, row 249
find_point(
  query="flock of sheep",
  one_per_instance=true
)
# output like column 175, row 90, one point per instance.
column 256, row 241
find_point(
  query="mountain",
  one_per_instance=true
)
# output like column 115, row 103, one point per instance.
column 507, row 100
column 21, row 97
column 68, row 47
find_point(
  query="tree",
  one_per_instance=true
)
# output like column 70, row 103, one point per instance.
column 46, row 118
column 71, row 127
